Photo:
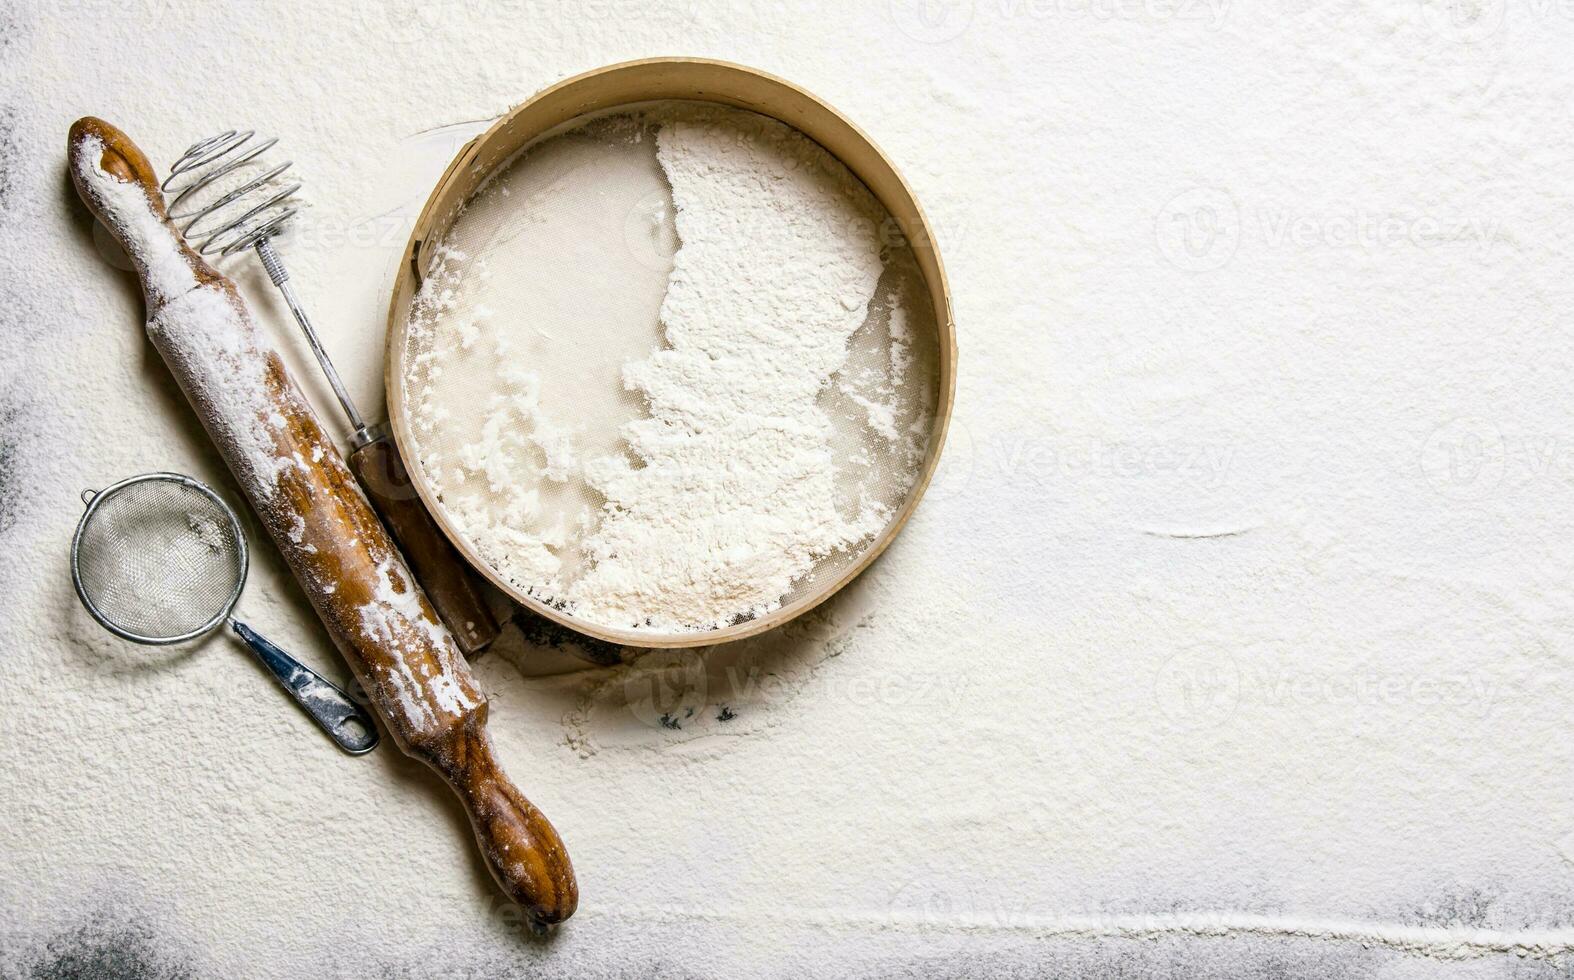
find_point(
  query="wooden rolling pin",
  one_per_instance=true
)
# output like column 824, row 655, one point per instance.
column 453, row 588
column 311, row 507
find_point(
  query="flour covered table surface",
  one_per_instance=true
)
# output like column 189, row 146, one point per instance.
column 1230, row 639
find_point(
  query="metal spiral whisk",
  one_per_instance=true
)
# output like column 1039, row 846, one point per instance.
column 216, row 217
column 228, row 229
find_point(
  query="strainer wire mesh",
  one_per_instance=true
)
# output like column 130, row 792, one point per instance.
column 159, row 558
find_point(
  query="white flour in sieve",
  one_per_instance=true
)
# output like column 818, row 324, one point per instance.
column 683, row 439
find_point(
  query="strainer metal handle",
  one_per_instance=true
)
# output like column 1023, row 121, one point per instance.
column 145, row 607
column 346, row 722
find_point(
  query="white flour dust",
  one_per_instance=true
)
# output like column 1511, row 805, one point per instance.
column 761, row 415
column 1157, row 754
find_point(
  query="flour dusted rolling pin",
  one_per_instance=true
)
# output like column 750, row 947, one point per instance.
column 221, row 206
column 310, row 505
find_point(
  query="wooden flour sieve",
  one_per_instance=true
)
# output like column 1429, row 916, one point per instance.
column 651, row 80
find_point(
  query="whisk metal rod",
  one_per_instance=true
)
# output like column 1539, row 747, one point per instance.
column 281, row 279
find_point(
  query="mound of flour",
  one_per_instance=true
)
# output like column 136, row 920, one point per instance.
column 730, row 474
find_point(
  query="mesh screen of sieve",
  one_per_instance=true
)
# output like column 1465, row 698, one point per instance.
column 157, row 559
column 671, row 368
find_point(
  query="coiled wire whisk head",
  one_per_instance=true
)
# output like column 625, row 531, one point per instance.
column 225, row 220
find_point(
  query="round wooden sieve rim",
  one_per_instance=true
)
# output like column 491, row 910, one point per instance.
column 648, row 80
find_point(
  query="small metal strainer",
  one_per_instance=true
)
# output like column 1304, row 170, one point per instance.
column 161, row 558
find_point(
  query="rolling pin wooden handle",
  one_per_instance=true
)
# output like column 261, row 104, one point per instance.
column 306, row 498
column 443, row 574
column 125, row 161
column 522, row 849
